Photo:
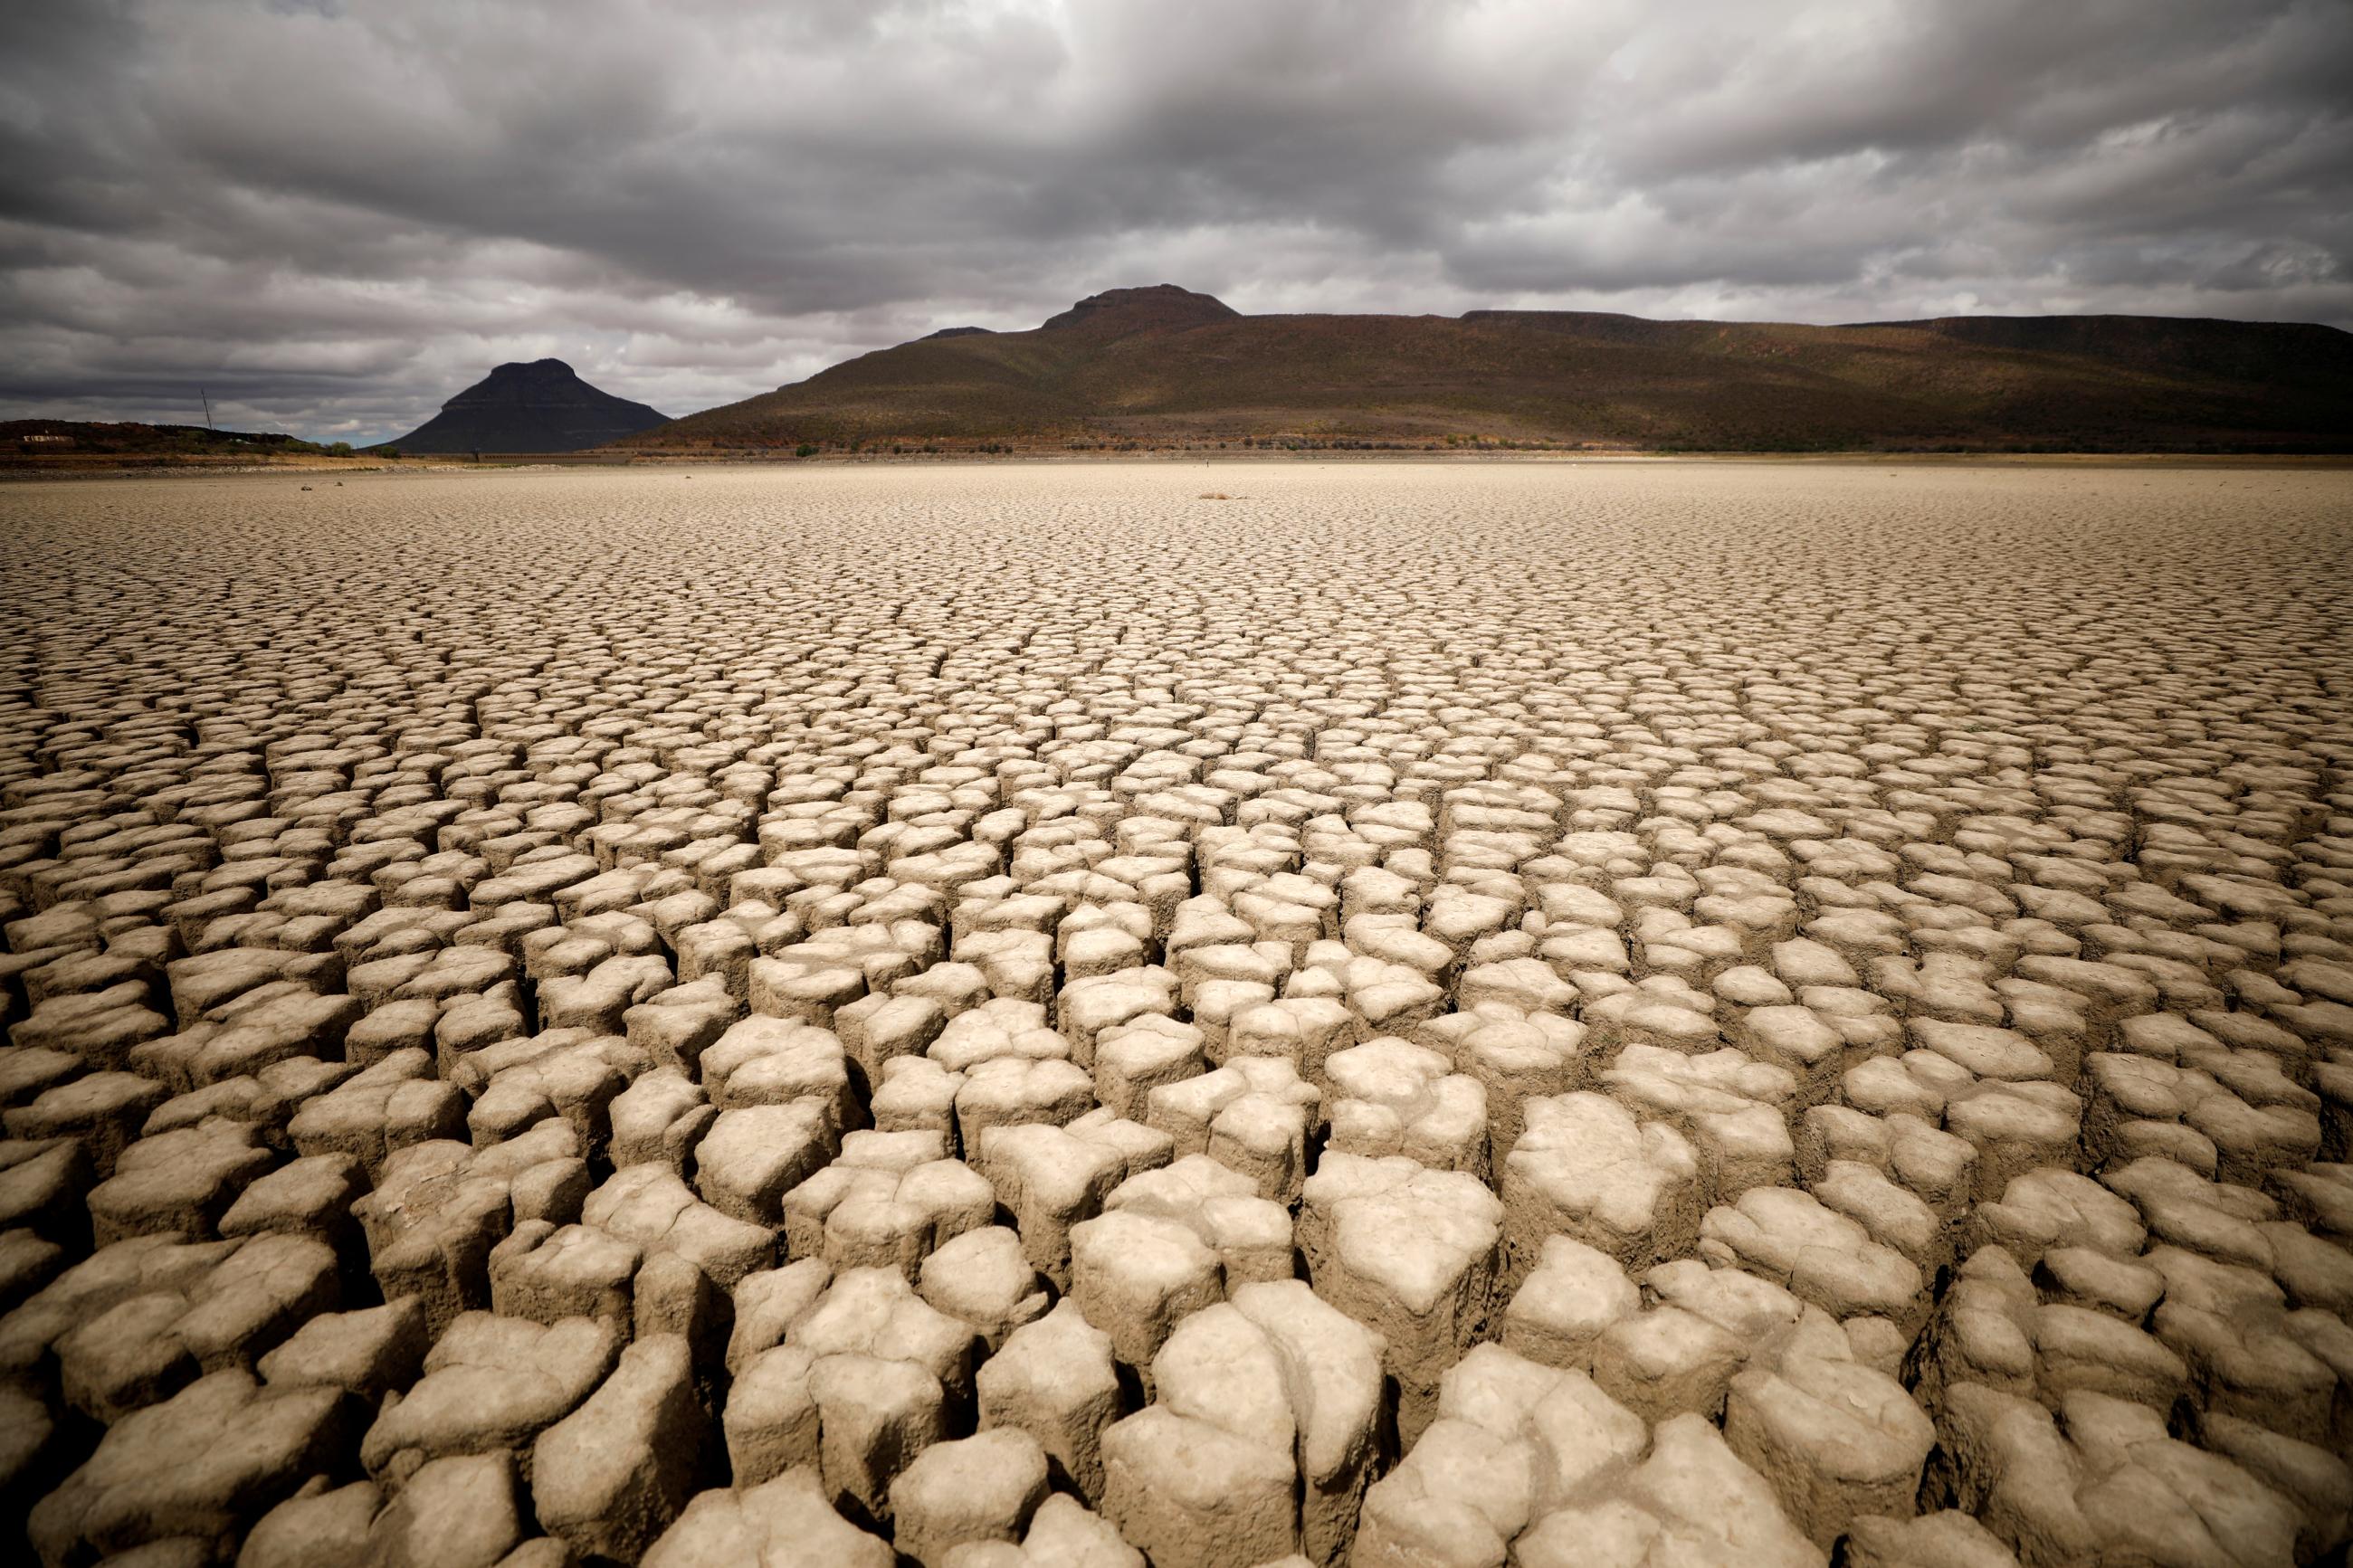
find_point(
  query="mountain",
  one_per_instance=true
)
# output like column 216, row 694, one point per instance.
column 1124, row 313
column 1163, row 364
column 541, row 406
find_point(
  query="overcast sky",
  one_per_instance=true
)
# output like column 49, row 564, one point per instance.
column 334, row 214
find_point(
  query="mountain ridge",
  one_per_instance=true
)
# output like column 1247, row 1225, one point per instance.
column 1165, row 364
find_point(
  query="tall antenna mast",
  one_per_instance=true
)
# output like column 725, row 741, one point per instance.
column 209, row 407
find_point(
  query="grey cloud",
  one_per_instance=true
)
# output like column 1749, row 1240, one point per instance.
column 333, row 216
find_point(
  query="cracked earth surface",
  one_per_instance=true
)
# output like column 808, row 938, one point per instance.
column 1405, row 1015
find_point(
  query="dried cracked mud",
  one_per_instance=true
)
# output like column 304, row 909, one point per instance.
column 1408, row 1015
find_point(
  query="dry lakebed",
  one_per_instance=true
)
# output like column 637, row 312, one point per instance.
column 1070, row 1015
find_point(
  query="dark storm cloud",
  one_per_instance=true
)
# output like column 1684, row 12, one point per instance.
column 332, row 215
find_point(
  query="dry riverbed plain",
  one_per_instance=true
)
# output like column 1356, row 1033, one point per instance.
column 1403, row 1015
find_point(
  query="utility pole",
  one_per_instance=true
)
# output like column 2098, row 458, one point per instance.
column 209, row 407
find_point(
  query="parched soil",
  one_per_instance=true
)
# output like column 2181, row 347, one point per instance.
column 1403, row 1015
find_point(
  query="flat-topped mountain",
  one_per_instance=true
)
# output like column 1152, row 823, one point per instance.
column 1123, row 312
column 541, row 407
column 1165, row 363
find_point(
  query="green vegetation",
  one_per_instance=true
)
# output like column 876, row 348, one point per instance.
column 78, row 441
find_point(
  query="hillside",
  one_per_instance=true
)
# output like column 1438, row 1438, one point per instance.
column 68, row 444
column 541, row 407
column 1163, row 364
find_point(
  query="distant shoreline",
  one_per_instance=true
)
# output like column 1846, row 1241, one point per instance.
column 67, row 470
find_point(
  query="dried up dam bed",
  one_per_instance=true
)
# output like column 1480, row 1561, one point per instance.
column 1397, row 1016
